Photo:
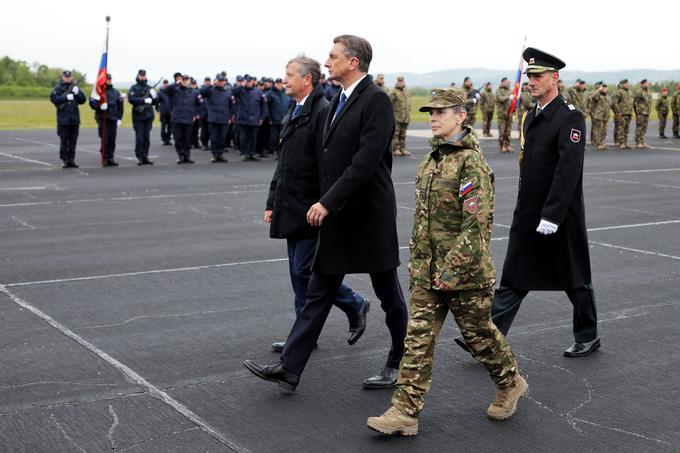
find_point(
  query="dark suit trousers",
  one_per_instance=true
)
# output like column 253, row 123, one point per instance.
column 69, row 138
column 321, row 294
column 506, row 303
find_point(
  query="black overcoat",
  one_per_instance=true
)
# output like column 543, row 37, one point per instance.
column 295, row 185
column 550, row 188
column 360, row 233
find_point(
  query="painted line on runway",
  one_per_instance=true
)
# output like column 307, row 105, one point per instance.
column 638, row 183
column 127, row 371
column 635, row 225
column 24, row 224
column 629, row 249
column 622, row 172
column 24, row 159
column 82, row 150
column 24, row 188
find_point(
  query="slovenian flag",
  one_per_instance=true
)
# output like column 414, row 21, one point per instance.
column 99, row 88
column 518, row 82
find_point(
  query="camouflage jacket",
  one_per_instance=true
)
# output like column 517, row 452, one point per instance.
column 675, row 103
column 600, row 103
column 526, row 103
column 622, row 102
column 488, row 102
column 662, row 105
column 642, row 103
column 470, row 100
column 503, row 101
column 401, row 102
column 384, row 88
column 452, row 224
column 578, row 98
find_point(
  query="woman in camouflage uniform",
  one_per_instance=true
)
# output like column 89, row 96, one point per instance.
column 451, row 269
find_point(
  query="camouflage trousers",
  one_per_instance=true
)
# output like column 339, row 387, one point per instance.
column 676, row 124
column 472, row 312
column 662, row 123
column 504, row 128
column 641, row 122
column 621, row 127
column 598, row 132
column 471, row 118
column 486, row 123
column 399, row 137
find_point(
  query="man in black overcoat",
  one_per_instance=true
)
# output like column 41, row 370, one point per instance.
column 548, row 247
column 356, row 215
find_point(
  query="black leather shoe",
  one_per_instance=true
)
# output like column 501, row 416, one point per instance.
column 460, row 341
column 141, row 162
column 180, row 161
column 358, row 325
column 112, row 163
column 147, row 162
column 275, row 373
column 387, row 378
column 188, row 161
column 72, row 164
column 582, row 349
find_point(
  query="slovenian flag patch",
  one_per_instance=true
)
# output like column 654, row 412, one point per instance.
column 466, row 188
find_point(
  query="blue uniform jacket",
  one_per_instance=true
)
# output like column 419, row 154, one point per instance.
column 68, row 113
column 278, row 104
column 183, row 103
column 251, row 106
column 115, row 103
column 218, row 102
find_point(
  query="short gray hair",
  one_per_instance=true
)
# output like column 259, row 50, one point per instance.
column 306, row 66
column 356, row 47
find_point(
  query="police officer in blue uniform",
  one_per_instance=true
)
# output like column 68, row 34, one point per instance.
column 112, row 109
column 183, row 99
column 66, row 96
column 218, row 102
column 250, row 115
column 143, row 98
column 165, row 114
column 278, row 104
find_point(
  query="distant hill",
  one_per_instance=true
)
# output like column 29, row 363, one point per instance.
column 480, row 76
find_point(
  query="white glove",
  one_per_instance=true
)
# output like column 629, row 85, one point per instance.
column 75, row 90
column 118, row 123
column 153, row 93
column 474, row 100
column 478, row 96
column 546, row 227
column 70, row 97
column 104, row 106
column 148, row 101
column 511, row 97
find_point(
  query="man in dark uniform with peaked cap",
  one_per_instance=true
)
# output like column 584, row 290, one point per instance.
column 548, row 247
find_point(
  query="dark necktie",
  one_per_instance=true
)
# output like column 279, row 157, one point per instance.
column 538, row 111
column 341, row 104
column 296, row 111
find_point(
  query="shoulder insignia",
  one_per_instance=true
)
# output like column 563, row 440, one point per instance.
column 466, row 188
column 571, row 106
column 471, row 204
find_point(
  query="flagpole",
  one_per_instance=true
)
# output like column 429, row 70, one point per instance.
column 517, row 91
column 106, row 50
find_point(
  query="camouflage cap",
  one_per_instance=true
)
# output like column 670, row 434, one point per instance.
column 443, row 98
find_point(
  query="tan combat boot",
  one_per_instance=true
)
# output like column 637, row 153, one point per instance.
column 405, row 152
column 505, row 403
column 397, row 152
column 601, row 147
column 393, row 421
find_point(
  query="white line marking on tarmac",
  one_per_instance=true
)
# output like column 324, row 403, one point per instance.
column 127, row 371
column 639, row 183
column 36, row 142
column 24, row 188
column 33, row 161
column 25, row 224
column 65, row 434
column 635, row 225
column 623, row 172
column 628, row 249
column 113, row 427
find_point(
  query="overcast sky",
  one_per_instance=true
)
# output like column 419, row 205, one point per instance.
column 259, row 37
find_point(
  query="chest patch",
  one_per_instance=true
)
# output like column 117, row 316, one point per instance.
column 471, row 204
column 575, row 135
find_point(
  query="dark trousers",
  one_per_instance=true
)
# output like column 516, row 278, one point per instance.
column 110, row 139
column 218, row 138
column 248, row 138
column 205, row 131
column 321, row 294
column 166, row 127
column 274, row 132
column 142, row 138
column 506, row 302
column 236, row 136
column 230, row 134
column 262, row 138
column 183, row 139
column 300, row 258
column 68, row 136
column 194, row 133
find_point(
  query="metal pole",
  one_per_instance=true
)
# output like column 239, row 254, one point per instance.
column 106, row 51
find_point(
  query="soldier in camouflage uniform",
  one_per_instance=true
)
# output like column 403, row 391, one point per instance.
column 662, row 112
column 675, row 109
column 526, row 103
column 560, row 89
column 401, row 102
column 576, row 95
column 487, row 104
column 599, row 103
column 451, row 269
column 622, row 105
column 642, row 105
column 589, row 99
column 503, row 101
column 380, row 81
column 472, row 97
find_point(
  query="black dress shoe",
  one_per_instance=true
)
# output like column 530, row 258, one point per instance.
column 72, row 164
column 180, row 161
column 460, row 341
column 147, row 162
column 275, row 373
column 358, row 324
column 141, row 162
column 254, row 157
column 66, row 165
column 188, row 161
column 111, row 163
column 582, row 349
column 387, row 378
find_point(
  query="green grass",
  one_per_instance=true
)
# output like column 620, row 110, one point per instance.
column 42, row 114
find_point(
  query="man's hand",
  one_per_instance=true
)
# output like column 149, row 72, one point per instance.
column 75, row 90
column 103, row 106
column 259, row 122
column 153, row 93
column 316, row 214
column 441, row 286
column 148, row 101
column 268, row 216
column 546, row 227
column 119, row 122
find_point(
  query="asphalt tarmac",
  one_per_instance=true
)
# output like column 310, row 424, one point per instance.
column 130, row 296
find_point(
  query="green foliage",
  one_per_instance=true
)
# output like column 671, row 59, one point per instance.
column 21, row 74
